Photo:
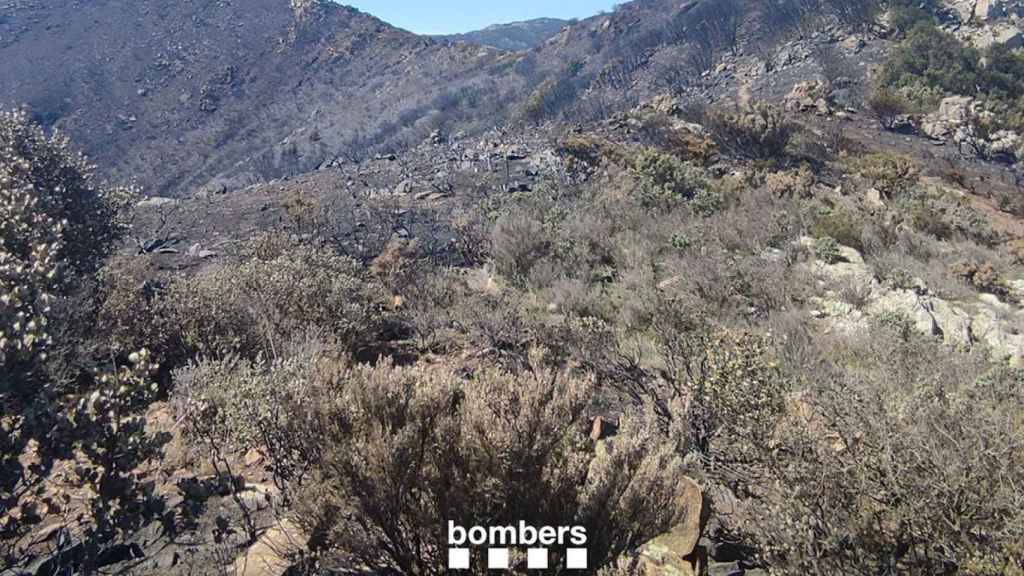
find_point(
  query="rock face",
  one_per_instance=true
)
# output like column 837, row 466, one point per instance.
column 986, row 10
column 1000, row 33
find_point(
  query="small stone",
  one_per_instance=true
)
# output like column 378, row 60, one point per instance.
column 602, row 429
column 252, row 458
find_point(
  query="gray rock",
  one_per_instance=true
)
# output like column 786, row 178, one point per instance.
column 725, row 569
column 156, row 202
column 404, row 187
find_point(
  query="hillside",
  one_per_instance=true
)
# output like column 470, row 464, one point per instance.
column 175, row 94
column 715, row 287
column 191, row 94
column 512, row 37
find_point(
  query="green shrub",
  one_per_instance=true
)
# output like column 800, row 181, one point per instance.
column 664, row 180
column 945, row 216
column 842, row 225
column 892, row 174
column 827, row 250
column 929, row 63
column 57, row 226
column 721, row 389
column 887, row 105
column 939, row 59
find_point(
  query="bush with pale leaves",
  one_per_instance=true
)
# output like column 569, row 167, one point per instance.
column 56, row 223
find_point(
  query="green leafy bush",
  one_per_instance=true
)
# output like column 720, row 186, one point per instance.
column 842, row 225
column 827, row 250
column 892, row 174
column 939, row 59
column 887, row 105
column 929, row 59
column 665, row 179
column 57, row 227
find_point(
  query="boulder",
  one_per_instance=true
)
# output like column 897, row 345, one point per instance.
column 210, row 190
column 119, row 553
column 987, row 10
column 983, row 11
column 853, row 44
column 664, row 104
column 156, row 202
column 930, row 315
column 602, row 429
column 1005, row 143
column 954, row 112
column 677, row 545
column 807, row 95
column 990, row 326
column 269, row 556
column 404, row 187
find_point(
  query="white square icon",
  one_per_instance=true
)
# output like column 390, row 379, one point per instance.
column 576, row 558
column 537, row 559
column 497, row 559
column 458, row 558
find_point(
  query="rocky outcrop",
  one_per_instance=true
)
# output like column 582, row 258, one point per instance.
column 954, row 114
column 809, row 96
column 986, row 10
column 985, row 23
column 955, row 121
column 985, row 320
column 1000, row 33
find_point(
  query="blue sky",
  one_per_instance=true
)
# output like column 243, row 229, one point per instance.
column 452, row 16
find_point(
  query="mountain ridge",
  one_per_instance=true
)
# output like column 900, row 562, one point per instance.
column 203, row 94
column 512, row 36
